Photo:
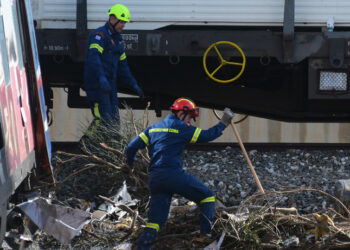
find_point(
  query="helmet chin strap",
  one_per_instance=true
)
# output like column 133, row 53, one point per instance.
column 113, row 26
column 185, row 114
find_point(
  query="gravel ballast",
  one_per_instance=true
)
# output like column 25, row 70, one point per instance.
column 227, row 174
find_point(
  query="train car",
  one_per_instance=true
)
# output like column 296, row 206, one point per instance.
column 24, row 139
column 297, row 53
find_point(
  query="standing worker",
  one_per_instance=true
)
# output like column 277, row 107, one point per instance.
column 165, row 141
column 105, row 62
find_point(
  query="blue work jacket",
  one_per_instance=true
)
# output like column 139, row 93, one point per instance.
column 167, row 139
column 106, row 57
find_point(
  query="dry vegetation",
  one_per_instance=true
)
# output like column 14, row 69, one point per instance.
column 258, row 222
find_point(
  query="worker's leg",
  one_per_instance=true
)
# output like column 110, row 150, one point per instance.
column 157, row 216
column 192, row 189
column 206, row 217
column 100, row 104
column 96, row 112
column 104, row 106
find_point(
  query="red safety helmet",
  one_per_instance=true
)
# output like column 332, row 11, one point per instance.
column 186, row 105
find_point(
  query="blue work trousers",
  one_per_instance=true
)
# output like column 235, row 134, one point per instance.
column 163, row 185
column 106, row 104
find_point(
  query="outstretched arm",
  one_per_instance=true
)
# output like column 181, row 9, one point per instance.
column 211, row 134
column 214, row 132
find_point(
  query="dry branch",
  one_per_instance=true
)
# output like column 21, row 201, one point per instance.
column 112, row 149
column 301, row 189
column 98, row 158
column 288, row 210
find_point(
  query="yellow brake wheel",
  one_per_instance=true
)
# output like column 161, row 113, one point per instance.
column 224, row 62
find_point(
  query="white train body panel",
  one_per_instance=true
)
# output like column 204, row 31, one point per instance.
column 154, row 14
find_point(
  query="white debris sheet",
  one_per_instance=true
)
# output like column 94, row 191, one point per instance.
column 63, row 223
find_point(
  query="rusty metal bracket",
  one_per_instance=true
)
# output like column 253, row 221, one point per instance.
column 153, row 43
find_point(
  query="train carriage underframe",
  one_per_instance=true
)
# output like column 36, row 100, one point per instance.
column 298, row 74
column 283, row 79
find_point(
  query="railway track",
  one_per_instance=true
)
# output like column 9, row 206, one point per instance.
column 74, row 146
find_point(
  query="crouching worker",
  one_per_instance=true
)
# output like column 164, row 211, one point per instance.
column 165, row 141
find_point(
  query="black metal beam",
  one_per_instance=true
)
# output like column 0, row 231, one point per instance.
column 288, row 20
column 288, row 30
column 81, row 17
column 192, row 43
column 81, row 29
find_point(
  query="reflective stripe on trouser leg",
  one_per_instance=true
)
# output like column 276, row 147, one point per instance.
column 96, row 122
column 157, row 215
column 206, row 216
column 96, row 112
column 103, row 103
column 148, row 235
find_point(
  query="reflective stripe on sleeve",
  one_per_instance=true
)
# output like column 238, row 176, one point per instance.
column 153, row 225
column 196, row 135
column 144, row 138
column 208, row 199
column 122, row 57
column 96, row 46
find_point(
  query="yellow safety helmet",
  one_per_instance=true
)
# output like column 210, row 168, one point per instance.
column 120, row 11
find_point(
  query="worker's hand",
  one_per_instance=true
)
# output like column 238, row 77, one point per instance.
column 104, row 84
column 127, row 168
column 140, row 92
column 227, row 117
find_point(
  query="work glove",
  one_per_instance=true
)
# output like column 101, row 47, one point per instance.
column 227, row 117
column 127, row 168
column 104, row 84
column 139, row 92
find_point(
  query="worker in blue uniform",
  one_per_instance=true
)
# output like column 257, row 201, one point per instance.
column 105, row 62
column 165, row 141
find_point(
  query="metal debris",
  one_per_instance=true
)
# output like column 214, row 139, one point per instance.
column 63, row 223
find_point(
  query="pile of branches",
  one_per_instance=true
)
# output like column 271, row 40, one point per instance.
column 100, row 167
column 258, row 223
